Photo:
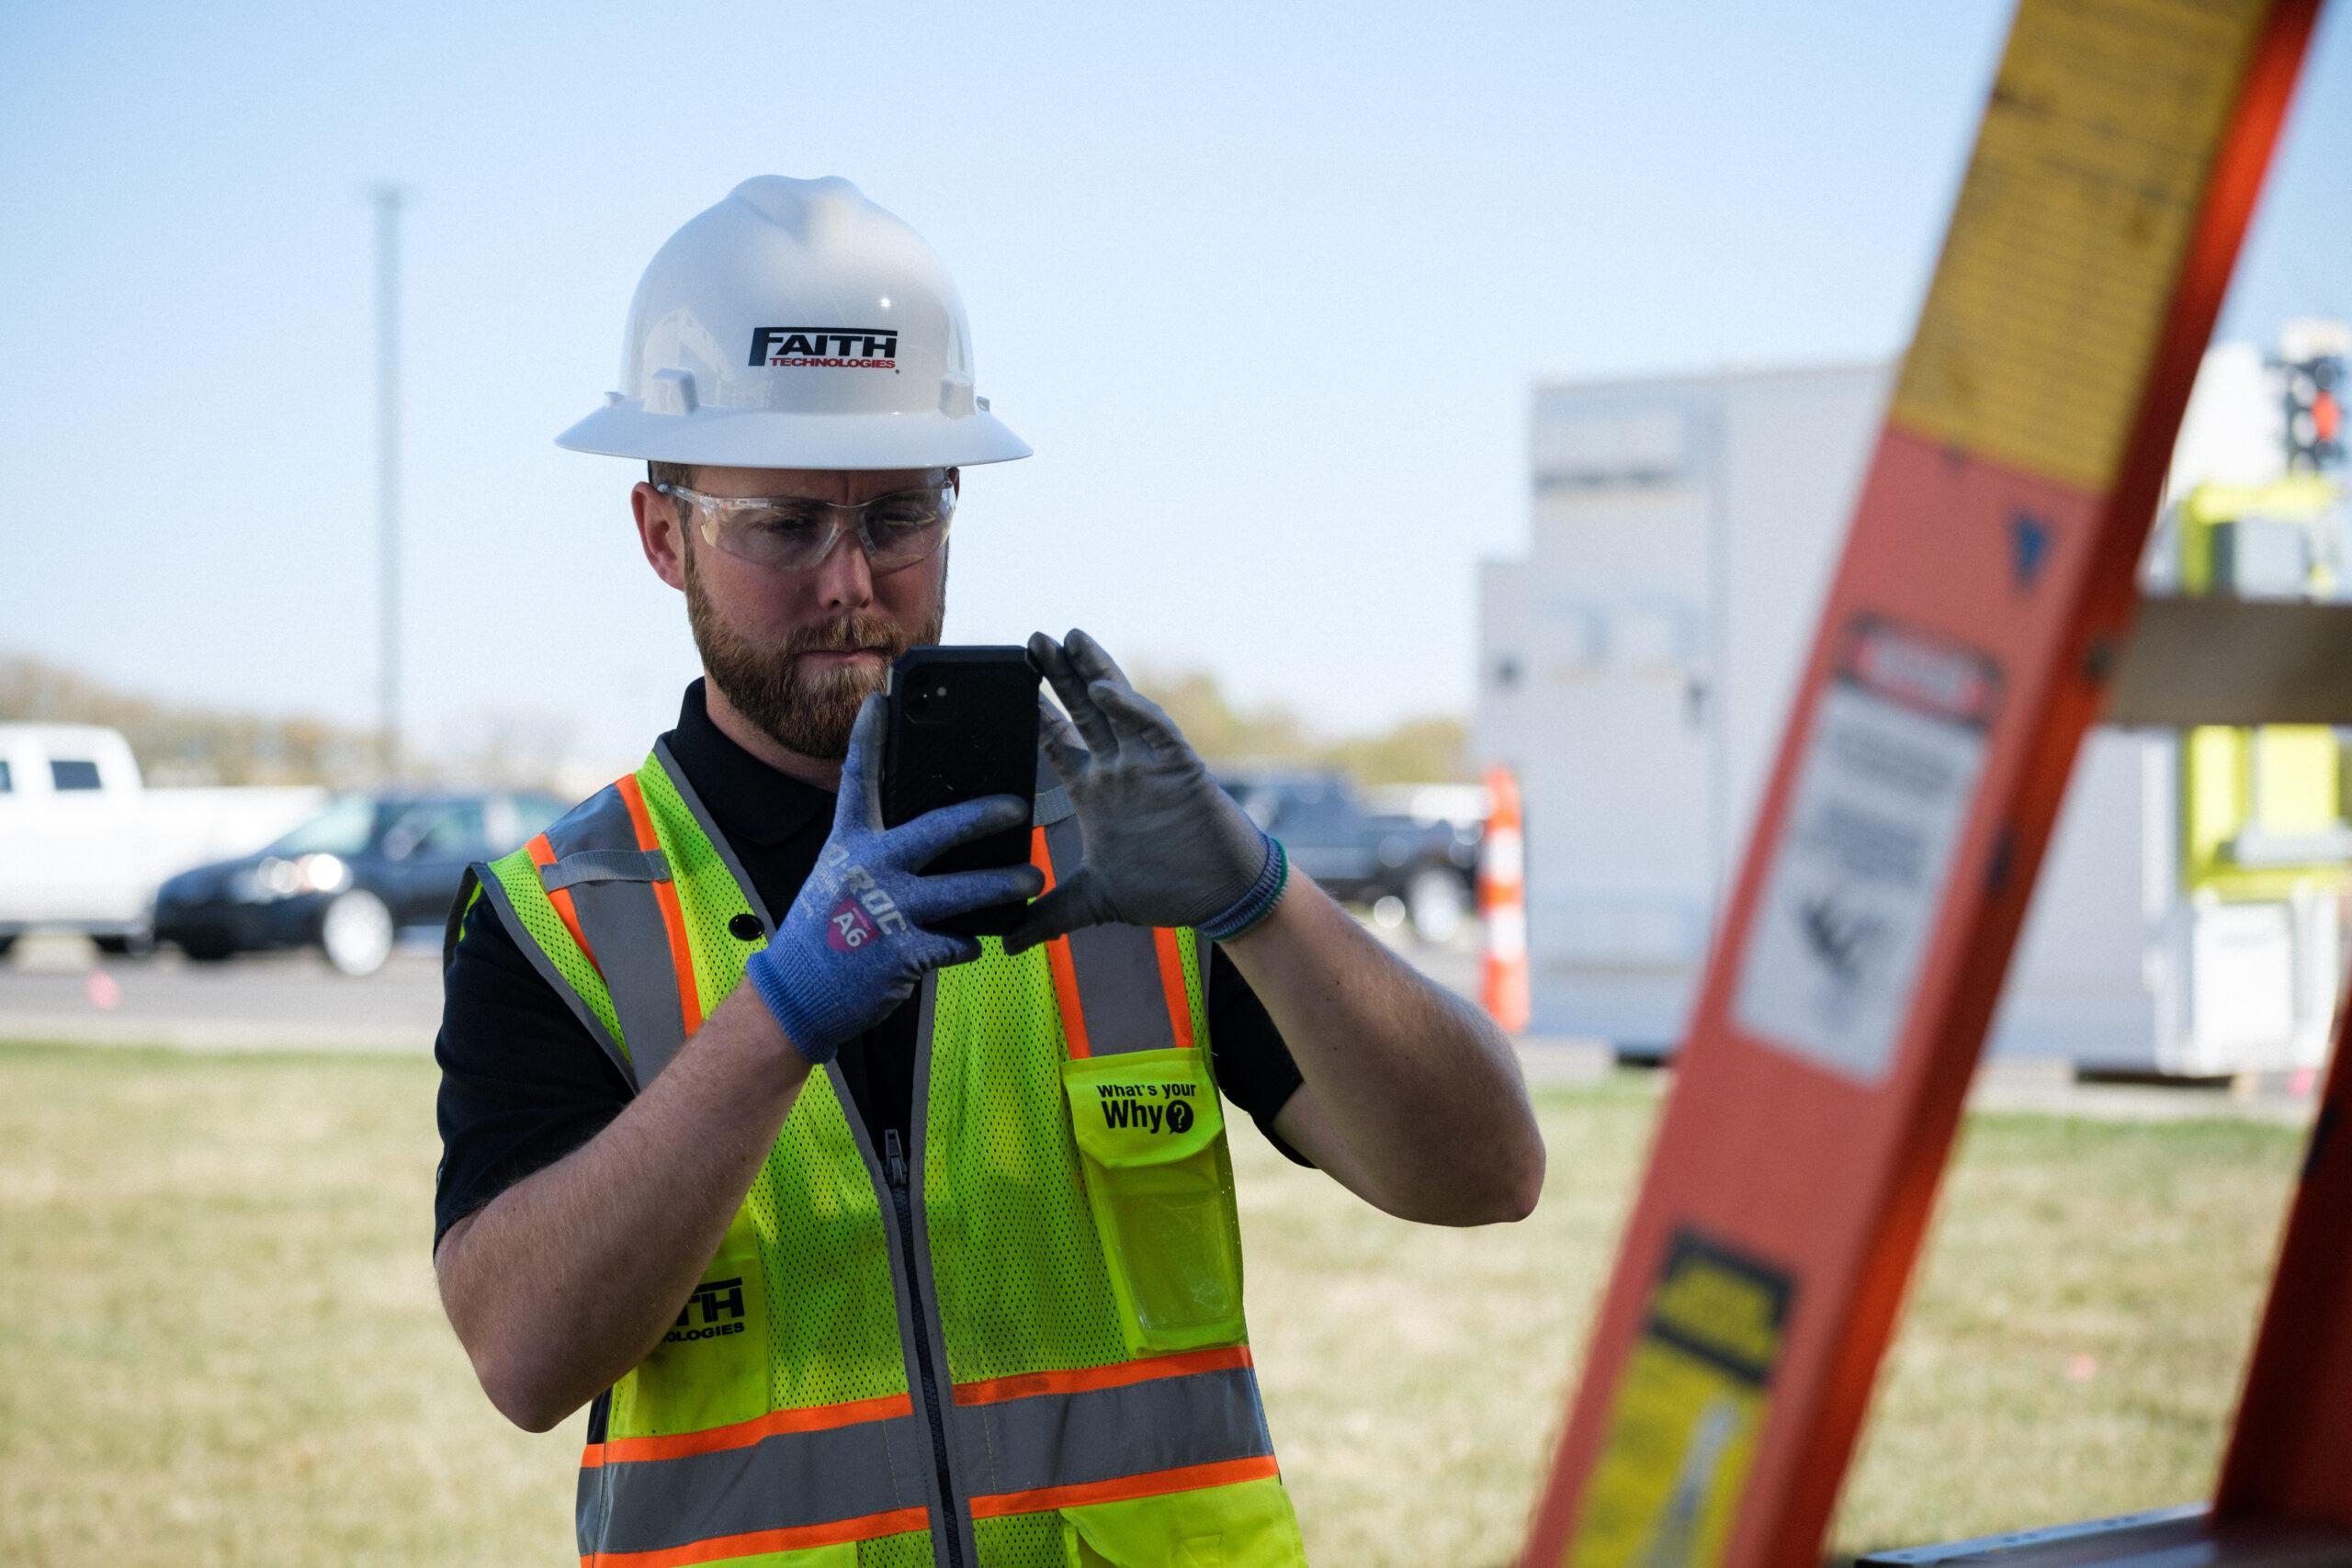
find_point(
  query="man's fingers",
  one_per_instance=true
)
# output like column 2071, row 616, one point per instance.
column 1136, row 714
column 860, row 804
column 1092, row 659
column 937, row 897
column 949, row 949
column 1079, row 902
column 1063, row 750
column 1071, row 687
column 935, row 832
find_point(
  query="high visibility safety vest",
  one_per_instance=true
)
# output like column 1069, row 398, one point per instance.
column 1018, row 1343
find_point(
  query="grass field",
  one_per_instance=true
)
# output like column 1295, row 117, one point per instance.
column 219, row 1343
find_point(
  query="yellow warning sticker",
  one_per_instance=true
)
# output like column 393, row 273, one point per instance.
column 2066, row 243
column 1683, row 1430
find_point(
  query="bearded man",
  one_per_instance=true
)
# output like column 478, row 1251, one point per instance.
column 911, row 1247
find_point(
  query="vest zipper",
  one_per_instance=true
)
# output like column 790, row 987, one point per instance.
column 902, row 1197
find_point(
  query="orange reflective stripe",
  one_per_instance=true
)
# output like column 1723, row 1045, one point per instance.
column 1171, row 983
column 801, row 1537
column 1119, row 1374
column 1153, row 1483
column 743, row 1434
column 543, row 856
column 1057, row 958
column 674, row 919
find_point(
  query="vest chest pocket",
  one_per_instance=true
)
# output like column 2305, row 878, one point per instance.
column 1150, row 1129
column 710, row 1369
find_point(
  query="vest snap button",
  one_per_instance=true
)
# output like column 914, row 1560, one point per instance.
column 744, row 927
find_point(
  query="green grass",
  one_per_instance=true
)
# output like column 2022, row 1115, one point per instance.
column 221, row 1343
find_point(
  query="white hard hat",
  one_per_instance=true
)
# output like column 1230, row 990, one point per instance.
column 797, row 325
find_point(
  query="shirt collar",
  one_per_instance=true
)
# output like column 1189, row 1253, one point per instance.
column 750, row 801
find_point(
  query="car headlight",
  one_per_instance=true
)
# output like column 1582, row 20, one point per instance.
column 275, row 878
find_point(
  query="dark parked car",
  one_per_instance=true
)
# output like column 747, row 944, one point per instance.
column 348, row 880
column 1403, row 869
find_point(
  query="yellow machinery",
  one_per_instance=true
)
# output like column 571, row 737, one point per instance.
column 2263, row 812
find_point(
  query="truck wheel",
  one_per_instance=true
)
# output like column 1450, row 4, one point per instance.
column 1436, row 901
column 357, row 933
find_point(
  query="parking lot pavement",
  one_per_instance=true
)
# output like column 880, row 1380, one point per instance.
column 60, row 988
column 53, row 988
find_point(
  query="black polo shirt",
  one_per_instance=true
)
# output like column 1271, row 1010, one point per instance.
column 523, row 1083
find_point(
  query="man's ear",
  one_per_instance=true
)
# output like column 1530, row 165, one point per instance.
column 660, row 533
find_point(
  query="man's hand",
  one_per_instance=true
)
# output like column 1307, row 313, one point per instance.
column 1164, row 845
column 856, row 943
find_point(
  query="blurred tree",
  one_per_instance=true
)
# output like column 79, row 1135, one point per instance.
column 1433, row 749
column 186, row 745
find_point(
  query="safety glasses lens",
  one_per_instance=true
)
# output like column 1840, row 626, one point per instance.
column 790, row 535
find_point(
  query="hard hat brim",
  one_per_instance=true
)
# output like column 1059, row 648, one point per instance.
column 761, row 438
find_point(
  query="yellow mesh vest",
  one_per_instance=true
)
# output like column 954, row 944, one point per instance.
column 789, row 1376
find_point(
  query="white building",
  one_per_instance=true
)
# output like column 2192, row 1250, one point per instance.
column 1638, row 666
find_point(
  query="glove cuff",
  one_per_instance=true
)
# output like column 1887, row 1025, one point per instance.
column 804, row 1026
column 1258, row 902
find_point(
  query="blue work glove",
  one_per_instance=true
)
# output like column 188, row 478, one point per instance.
column 1164, row 845
column 853, row 945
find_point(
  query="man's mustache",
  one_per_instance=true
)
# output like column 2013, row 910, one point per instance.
column 846, row 637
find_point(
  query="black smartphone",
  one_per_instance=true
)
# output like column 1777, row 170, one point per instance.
column 962, row 723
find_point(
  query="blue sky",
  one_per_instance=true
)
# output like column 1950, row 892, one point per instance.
column 1266, row 288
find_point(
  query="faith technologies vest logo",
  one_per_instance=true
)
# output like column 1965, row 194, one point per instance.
column 826, row 348
column 700, row 1320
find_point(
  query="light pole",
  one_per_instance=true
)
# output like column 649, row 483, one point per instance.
column 388, row 199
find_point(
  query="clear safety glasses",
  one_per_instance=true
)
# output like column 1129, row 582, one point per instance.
column 790, row 532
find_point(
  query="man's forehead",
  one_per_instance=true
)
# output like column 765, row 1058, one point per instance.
column 823, row 484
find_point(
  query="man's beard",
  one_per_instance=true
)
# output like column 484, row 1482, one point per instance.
column 803, row 710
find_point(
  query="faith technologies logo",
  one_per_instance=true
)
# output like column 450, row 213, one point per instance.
column 825, row 348
column 712, row 1299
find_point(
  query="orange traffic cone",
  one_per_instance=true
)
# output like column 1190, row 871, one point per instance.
column 1502, row 904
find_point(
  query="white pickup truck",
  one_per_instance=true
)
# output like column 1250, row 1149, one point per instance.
column 84, row 843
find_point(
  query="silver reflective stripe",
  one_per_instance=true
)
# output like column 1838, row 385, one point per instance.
column 1052, row 806
column 599, row 822
column 1118, row 987
column 1053, row 802
column 1070, row 1439
column 788, row 1481
column 606, row 866
column 921, row 1313
column 622, row 921
column 703, row 820
column 627, row 937
column 493, row 893
column 589, row 1508
column 1117, row 968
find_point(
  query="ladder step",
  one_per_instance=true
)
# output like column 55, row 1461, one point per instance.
column 2215, row 660
column 2163, row 1538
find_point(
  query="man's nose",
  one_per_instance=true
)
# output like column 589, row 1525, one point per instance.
column 845, row 577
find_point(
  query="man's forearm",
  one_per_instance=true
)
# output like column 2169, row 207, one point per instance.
column 1421, row 1087
column 570, row 1277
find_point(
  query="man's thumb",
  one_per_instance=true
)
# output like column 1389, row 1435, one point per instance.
column 1075, row 904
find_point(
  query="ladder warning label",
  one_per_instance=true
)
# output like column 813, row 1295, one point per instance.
column 2073, row 222
column 1683, row 1429
column 1851, row 900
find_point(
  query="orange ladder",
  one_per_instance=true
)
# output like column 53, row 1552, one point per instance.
column 1981, row 610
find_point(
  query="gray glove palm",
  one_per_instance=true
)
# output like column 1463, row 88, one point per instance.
column 1164, row 845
